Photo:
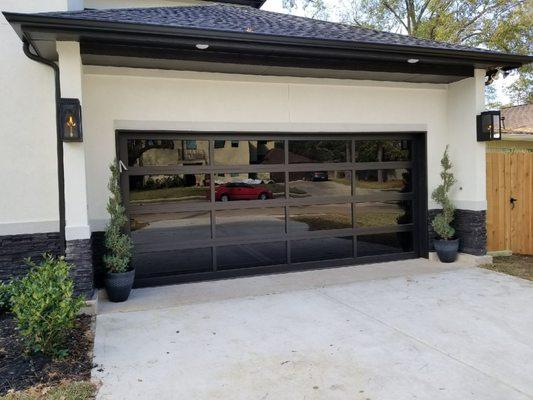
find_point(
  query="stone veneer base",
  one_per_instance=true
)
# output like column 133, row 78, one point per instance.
column 14, row 249
column 471, row 229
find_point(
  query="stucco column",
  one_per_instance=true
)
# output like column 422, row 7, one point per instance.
column 466, row 99
column 77, row 230
column 77, row 222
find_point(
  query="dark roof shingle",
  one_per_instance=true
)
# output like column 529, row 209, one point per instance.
column 233, row 18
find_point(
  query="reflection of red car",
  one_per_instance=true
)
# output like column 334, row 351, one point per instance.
column 241, row 191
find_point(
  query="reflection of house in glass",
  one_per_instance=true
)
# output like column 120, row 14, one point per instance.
column 247, row 152
column 167, row 152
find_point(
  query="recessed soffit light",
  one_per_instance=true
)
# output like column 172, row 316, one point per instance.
column 202, row 46
column 413, row 60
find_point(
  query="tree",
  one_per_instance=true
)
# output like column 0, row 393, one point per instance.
column 503, row 25
column 442, row 221
column 312, row 8
column 118, row 244
column 491, row 99
column 521, row 91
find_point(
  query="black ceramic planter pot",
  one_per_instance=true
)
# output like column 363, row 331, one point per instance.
column 447, row 249
column 118, row 285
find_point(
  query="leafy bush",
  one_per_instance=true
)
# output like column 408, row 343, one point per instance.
column 118, row 244
column 44, row 306
column 5, row 297
column 441, row 222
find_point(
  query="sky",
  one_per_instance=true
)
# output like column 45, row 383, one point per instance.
column 500, row 84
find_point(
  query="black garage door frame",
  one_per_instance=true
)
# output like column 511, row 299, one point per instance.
column 418, row 196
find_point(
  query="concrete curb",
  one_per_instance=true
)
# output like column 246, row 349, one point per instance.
column 464, row 258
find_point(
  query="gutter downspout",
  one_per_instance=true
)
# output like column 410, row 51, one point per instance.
column 60, row 164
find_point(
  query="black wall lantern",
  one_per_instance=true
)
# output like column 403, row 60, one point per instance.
column 489, row 126
column 70, row 114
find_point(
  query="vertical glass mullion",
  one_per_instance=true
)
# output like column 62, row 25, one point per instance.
column 214, row 265
column 287, row 197
column 354, row 219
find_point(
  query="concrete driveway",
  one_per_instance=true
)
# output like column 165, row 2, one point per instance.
column 402, row 330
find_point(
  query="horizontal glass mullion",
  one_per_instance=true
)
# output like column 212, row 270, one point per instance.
column 383, row 165
column 243, row 222
column 309, row 218
column 383, row 213
column 134, row 209
column 384, row 229
column 383, row 197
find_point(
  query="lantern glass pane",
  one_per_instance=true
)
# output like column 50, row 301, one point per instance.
column 496, row 124
column 486, row 125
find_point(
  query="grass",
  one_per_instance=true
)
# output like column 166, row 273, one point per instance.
column 393, row 184
column 369, row 219
column 80, row 390
column 176, row 193
column 340, row 221
column 342, row 181
column 515, row 265
column 324, row 222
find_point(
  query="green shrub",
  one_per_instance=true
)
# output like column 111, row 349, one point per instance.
column 118, row 244
column 44, row 306
column 5, row 297
column 441, row 222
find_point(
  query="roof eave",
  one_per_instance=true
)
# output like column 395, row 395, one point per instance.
column 69, row 27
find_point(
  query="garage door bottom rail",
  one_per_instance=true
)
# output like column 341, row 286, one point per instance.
column 163, row 279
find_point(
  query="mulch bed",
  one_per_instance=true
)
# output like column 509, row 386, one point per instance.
column 19, row 371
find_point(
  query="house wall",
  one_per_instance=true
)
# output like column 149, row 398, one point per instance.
column 28, row 200
column 121, row 98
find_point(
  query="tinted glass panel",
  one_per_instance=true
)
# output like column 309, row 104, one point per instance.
column 320, row 183
column 321, row 249
column 172, row 261
column 320, row 217
column 164, row 230
column 251, row 255
column 383, row 213
column 160, row 152
column 382, row 150
column 385, row 243
column 249, row 186
column 146, row 189
column 250, row 222
column 319, row 151
column 249, row 152
column 383, row 180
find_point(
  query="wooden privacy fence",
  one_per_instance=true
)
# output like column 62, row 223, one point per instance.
column 510, row 201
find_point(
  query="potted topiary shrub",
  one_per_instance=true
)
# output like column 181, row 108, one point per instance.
column 446, row 244
column 119, row 272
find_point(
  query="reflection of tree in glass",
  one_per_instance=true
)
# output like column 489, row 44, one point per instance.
column 136, row 148
column 152, row 183
column 380, row 150
column 322, row 150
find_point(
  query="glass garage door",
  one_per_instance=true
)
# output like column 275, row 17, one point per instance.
column 221, row 205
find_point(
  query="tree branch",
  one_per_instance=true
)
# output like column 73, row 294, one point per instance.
column 388, row 7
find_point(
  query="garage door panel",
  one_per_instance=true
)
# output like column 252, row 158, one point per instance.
column 207, row 205
column 251, row 255
column 321, row 249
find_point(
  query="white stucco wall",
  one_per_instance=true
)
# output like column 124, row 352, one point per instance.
column 120, row 98
column 28, row 173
